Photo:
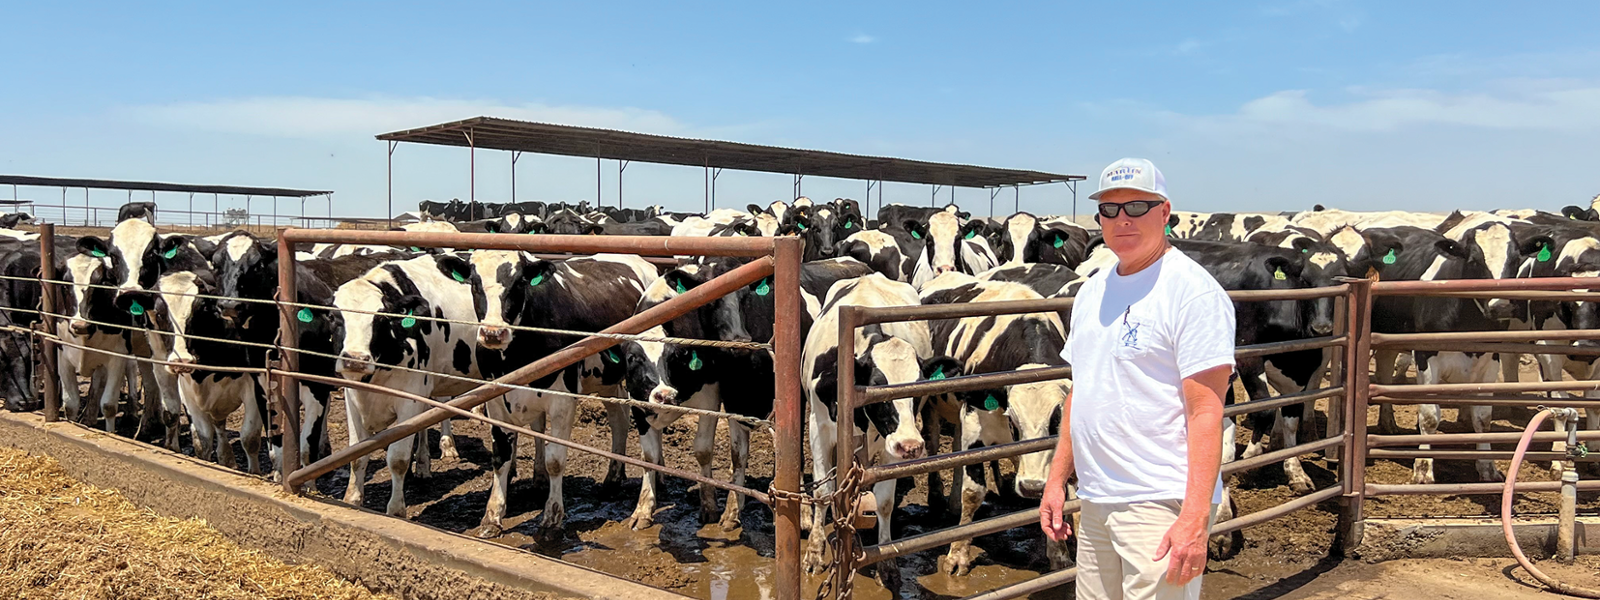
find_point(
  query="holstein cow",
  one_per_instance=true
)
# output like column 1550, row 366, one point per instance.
column 86, row 306
column 1027, row 239
column 996, row 416
column 878, row 250
column 398, row 350
column 512, row 289
column 949, row 245
column 888, row 432
column 1412, row 254
column 687, row 375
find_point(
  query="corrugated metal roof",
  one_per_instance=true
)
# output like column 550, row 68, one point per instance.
column 154, row 186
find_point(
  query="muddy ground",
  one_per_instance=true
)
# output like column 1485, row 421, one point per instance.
column 1285, row 558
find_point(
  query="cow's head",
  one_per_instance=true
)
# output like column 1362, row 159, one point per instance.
column 366, row 340
column 669, row 374
column 1032, row 411
column 1014, row 243
column 246, row 267
column 1502, row 257
column 177, row 309
column 879, row 360
column 942, row 238
column 504, row 283
column 818, row 226
column 139, row 255
column 721, row 319
column 88, row 303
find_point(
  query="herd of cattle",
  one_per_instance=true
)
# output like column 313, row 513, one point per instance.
column 435, row 322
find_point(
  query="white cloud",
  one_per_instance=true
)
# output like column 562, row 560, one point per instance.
column 1556, row 106
column 862, row 38
column 307, row 117
column 1188, row 46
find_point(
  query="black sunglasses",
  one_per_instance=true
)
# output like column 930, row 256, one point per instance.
column 1136, row 208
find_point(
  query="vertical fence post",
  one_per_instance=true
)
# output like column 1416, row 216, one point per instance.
column 789, row 416
column 47, row 272
column 1336, row 376
column 1357, row 378
column 288, row 337
column 845, row 450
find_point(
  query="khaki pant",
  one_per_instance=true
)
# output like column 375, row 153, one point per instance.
column 1117, row 544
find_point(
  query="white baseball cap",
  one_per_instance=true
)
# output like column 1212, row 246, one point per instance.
column 1132, row 174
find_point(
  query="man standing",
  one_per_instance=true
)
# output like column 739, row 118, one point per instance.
column 1151, row 349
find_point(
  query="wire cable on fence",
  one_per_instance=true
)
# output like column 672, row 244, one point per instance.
column 528, row 328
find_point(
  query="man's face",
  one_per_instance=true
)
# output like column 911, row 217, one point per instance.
column 1134, row 236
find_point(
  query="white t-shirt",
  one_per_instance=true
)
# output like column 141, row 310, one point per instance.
column 1132, row 342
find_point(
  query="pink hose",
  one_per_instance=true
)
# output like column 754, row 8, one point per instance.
column 1505, row 516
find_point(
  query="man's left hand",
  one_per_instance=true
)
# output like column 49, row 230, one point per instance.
column 1185, row 542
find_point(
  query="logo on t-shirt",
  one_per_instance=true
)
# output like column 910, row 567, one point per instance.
column 1130, row 331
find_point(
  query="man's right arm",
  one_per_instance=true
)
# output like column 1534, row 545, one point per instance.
column 1055, row 524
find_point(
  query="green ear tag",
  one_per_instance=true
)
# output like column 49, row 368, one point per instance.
column 409, row 321
column 1061, row 241
column 537, row 279
column 1305, row 250
column 694, row 361
column 415, row 249
column 678, row 285
column 1544, row 253
column 1388, row 259
column 304, row 315
column 611, row 356
column 1278, row 275
column 135, row 309
column 991, row 403
column 916, row 234
column 97, row 253
column 171, row 254
column 801, row 226
column 458, row 276
column 764, row 287
column 937, row 374
column 1169, row 230
column 849, row 224
column 972, row 234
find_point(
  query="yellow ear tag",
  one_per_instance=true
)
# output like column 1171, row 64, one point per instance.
column 1278, row 275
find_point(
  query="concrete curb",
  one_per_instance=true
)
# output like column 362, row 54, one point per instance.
column 1388, row 539
column 387, row 555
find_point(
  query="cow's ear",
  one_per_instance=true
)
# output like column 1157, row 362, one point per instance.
column 1317, row 208
column 1575, row 213
column 755, row 210
column 594, row 229
column 1281, row 268
column 169, row 246
column 971, row 229
column 454, row 267
column 917, row 229
column 680, row 281
column 1452, row 249
column 941, row 367
column 492, row 227
column 1539, row 246
column 538, row 272
column 537, row 227
column 411, row 305
column 93, row 246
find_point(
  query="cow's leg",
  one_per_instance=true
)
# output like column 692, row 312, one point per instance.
column 617, row 419
column 67, row 374
column 149, row 405
column 1484, row 369
column 536, row 423
column 705, row 441
column 644, row 512
column 973, row 487
column 1383, row 364
column 503, row 453
column 93, row 411
column 171, row 401
column 558, row 424
column 421, row 459
column 822, row 432
column 354, row 491
column 931, row 441
column 1289, row 426
column 254, row 422
column 739, row 435
column 1551, row 367
column 1253, row 375
column 1429, row 372
column 399, row 456
column 313, row 425
column 888, row 571
column 447, row 442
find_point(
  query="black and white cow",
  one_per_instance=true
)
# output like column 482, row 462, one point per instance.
column 1003, row 415
column 398, row 350
column 510, row 222
column 512, row 289
column 1413, row 254
column 948, row 244
column 822, row 227
column 85, row 307
column 137, row 210
column 888, row 432
column 1027, row 239
column 878, row 250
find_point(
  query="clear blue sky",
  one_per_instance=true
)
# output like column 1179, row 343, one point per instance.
column 1245, row 106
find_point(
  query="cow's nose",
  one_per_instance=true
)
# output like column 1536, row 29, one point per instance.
column 1322, row 327
column 663, row 395
column 181, row 366
column 1501, row 309
column 1587, row 343
column 359, row 363
column 493, row 336
column 79, row 327
column 1030, row 488
column 907, row 449
column 945, row 269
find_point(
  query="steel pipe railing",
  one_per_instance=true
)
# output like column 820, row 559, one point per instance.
column 1270, row 348
column 964, row 383
column 1253, row 406
column 1255, row 462
column 1449, row 439
column 1416, row 489
column 1512, row 335
column 938, row 462
column 1396, row 391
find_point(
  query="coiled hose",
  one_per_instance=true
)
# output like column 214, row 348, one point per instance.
column 1505, row 516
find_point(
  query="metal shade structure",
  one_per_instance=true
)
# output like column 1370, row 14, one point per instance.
column 566, row 140
column 153, row 186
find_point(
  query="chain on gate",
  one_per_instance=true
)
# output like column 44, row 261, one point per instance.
column 846, row 503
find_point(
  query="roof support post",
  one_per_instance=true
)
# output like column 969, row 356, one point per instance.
column 1016, row 199
column 472, row 177
column 715, row 173
column 622, row 165
column 515, row 154
column 597, row 181
column 1073, row 185
column 992, row 193
column 390, row 177
column 797, row 178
